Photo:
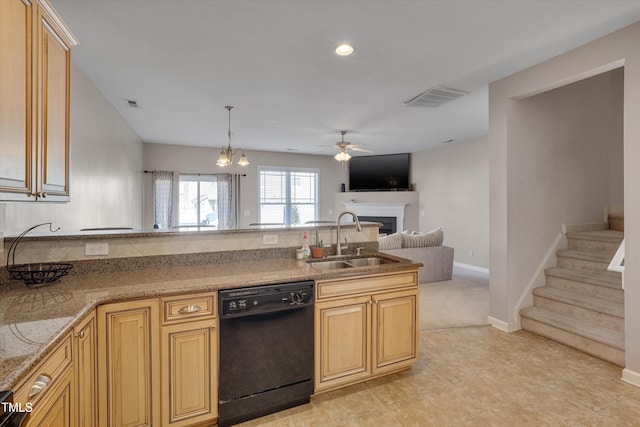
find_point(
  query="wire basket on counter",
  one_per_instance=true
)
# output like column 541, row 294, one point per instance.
column 38, row 274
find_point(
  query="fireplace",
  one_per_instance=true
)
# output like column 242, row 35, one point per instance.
column 388, row 223
column 385, row 213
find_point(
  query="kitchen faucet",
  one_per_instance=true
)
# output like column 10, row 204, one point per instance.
column 358, row 227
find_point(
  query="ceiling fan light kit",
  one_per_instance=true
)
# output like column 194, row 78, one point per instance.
column 227, row 153
column 344, row 147
column 342, row 156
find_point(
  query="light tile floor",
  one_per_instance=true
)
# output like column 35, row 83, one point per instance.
column 479, row 376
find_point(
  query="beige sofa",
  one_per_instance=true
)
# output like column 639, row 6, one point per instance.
column 437, row 261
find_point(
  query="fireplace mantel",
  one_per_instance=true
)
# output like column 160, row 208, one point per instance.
column 379, row 209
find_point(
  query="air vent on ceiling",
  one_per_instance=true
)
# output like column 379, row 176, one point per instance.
column 435, row 97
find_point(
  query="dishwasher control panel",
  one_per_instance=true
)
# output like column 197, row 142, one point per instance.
column 268, row 298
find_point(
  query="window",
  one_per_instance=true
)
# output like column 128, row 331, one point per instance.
column 288, row 196
column 198, row 200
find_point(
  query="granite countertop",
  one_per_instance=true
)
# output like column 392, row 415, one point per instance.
column 34, row 320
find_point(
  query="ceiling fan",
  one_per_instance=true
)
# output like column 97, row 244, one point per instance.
column 343, row 148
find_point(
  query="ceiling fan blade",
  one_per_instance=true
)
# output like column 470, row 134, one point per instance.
column 361, row 149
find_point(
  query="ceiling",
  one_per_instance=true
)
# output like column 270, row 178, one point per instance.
column 184, row 60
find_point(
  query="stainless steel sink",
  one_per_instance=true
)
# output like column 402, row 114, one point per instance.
column 363, row 262
column 330, row 265
column 350, row 262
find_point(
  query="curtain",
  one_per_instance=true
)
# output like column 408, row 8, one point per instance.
column 228, row 200
column 162, row 199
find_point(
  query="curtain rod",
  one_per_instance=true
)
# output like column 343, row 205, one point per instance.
column 198, row 174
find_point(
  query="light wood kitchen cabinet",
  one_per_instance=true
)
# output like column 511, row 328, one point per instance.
column 35, row 78
column 49, row 390
column 128, row 364
column 56, row 409
column 363, row 330
column 343, row 339
column 189, row 360
column 395, row 326
column 85, row 364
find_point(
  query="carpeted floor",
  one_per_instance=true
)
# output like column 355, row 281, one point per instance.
column 462, row 301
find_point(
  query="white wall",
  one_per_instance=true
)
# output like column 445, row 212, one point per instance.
column 453, row 181
column 558, row 166
column 514, row 251
column 105, row 162
column 185, row 159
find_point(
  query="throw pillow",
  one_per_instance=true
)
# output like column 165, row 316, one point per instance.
column 431, row 238
column 391, row 241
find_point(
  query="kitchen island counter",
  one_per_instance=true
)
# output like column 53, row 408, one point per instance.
column 34, row 320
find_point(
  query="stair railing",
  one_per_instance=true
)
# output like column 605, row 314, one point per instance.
column 617, row 262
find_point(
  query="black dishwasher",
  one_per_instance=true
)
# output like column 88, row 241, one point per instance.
column 266, row 350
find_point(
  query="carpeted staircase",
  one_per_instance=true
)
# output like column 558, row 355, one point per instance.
column 582, row 304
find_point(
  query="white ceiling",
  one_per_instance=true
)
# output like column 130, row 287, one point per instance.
column 184, row 60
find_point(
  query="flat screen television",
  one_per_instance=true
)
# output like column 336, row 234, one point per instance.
column 389, row 172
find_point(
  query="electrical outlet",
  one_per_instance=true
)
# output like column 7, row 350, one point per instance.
column 270, row 239
column 96, row 249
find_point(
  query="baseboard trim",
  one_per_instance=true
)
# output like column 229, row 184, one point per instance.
column 471, row 267
column 503, row 326
column 538, row 278
column 631, row 377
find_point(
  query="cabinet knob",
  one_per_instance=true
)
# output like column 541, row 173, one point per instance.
column 191, row 308
column 42, row 194
column 39, row 385
column 80, row 334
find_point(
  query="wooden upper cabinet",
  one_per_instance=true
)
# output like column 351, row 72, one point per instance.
column 35, row 80
column 15, row 102
column 54, row 83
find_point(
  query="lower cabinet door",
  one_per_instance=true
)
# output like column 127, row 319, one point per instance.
column 128, row 364
column 84, row 347
column 342, row 342
column 189, row 355
column 56, row 409
column 395, row 330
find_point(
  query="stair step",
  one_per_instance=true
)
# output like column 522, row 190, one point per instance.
column 589, row 283
column 599, row 240
column 595, row 340
column 616, row 221
column 603, row 313
column 584, row 260
column 611, row 308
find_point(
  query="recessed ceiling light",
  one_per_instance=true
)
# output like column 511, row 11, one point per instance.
column 344, row 50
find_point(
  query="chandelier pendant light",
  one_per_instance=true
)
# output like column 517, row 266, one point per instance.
column 227, row 153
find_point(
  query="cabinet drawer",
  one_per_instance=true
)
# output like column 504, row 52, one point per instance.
column 365, row 284
column 45, row 375
column 197, row 306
